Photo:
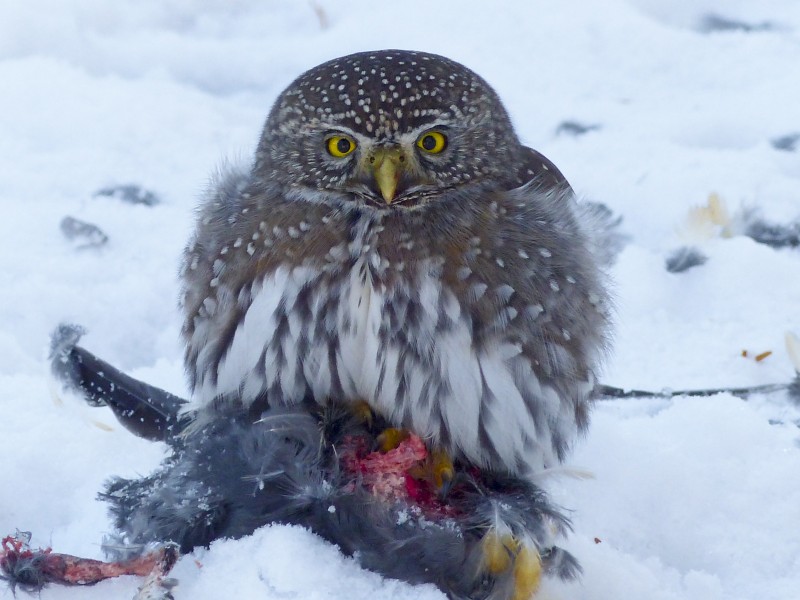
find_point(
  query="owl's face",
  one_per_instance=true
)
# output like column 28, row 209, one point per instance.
column 391, row 128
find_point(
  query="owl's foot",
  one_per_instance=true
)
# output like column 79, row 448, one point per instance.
column 504, row 553
column 437, row 469
column 363, row 412
column 391, row 438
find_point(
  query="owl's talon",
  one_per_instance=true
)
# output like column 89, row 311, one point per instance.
column 504, row 553
column 390, row 438
column 527, row 573
column 363, row 412
column 438, row 471
column 442, row 472
column 498, row 552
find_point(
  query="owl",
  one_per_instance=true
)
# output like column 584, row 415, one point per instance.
column 394, row 243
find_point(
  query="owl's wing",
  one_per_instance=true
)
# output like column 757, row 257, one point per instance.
column 601, row 225
column 538, row 166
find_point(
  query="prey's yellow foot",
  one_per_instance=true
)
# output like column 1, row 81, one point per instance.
column 505, row 553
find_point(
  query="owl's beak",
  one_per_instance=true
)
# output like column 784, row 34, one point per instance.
column 387, row 166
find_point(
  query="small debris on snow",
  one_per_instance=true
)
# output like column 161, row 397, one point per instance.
column 793, row 349
column 575, row 129
column 711, row 23
column 708, row 221
column 714, row 220
column 83, row 234
column 771, row 234
column 130, row 193
column 787, row 143
column 685, row 258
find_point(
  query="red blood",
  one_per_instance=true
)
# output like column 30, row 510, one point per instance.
column 393, row 476
column 384, row 474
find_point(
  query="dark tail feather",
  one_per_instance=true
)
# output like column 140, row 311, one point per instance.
column 144, row 410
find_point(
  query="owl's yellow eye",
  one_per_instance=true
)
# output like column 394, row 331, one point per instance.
column 341, row 145
column 432, row 142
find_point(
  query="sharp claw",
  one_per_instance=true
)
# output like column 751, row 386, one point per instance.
column 444, row 489
column 443, row 472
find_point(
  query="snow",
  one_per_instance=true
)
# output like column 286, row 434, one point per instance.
column 694, row 498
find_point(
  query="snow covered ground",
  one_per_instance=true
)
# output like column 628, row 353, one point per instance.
column 691, row 498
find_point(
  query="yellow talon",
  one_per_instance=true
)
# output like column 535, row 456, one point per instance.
column 502, row 553
column 527, row 573
column 390, row 438
column 363, row 412
column 437, row 470
column 442, row 471
column 496, row 553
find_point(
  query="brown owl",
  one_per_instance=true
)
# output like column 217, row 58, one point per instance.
column 394, row 243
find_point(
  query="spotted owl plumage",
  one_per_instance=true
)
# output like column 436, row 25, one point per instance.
column 430, row 265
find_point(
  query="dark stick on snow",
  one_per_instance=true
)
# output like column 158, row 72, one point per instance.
column 607, row 392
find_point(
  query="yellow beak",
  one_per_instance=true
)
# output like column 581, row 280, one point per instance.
column 387, row 166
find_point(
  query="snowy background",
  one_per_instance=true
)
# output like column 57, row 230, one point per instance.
column 691, row 498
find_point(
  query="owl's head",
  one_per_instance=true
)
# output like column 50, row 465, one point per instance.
column 392, row 128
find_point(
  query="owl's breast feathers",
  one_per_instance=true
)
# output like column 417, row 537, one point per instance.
column 476, row 320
